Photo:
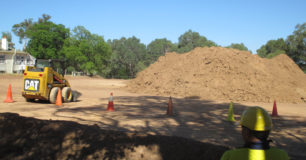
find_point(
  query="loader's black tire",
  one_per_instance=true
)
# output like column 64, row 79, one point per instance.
column 29, row 100
column 74, row 96
column 67, row 94
column 53, row 95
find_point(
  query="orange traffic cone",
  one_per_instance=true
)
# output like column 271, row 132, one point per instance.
column 274, row 111
column 170, row 107
column 59, row 98
column 110, row 106
column 9, row 98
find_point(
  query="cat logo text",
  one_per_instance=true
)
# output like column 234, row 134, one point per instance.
column 31, row 84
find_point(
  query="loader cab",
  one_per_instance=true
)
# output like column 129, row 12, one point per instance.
column 40, row 64
column 55, row 64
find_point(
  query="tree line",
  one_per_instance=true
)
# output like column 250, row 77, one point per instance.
column 125, row 57
column 294, row 46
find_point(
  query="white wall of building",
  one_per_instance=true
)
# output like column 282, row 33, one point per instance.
column 4, row 44
column 15, row 62
column 9, row 63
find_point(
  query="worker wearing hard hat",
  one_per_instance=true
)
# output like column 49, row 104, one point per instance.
column 256, row 126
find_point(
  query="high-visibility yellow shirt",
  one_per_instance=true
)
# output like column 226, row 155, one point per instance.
column 255, row 154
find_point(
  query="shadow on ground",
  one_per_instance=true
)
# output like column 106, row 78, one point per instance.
column 198, row 130
column 196, row 119
column 29, row 138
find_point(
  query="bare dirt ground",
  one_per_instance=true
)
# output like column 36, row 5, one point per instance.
column 144, row 114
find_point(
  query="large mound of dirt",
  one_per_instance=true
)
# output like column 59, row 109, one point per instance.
column 29, row 138
column 217, row 73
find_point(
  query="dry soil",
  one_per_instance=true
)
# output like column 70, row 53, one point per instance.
column 139, row 128
column 202, row 83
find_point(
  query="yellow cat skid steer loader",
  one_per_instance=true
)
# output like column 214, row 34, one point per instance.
column 42, row 82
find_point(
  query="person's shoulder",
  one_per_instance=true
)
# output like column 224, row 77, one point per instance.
column 229, row 154
column 279, row 152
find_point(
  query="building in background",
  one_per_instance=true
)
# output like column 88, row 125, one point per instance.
column 13, row 61
column 6, row 45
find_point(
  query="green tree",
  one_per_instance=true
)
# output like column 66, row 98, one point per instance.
column 277, row 52
column 128, row 57
column 239, row 46
column 73, row 55
column 81, row 33
column 101, row 53
column 190, row 40
column 22, row 29
column 45, row 18
column 294, row 47
column 159, row 47
column 46, row 40
column 297, row 45
column 272, row 48
column 262, row 51
column 87, row 52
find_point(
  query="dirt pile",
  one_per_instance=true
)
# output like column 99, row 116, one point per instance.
column 29, row 138
column 217, row 73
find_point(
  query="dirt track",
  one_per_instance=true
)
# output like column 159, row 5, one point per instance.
column 198, row 119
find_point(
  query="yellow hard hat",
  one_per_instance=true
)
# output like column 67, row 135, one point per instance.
column 256, row 119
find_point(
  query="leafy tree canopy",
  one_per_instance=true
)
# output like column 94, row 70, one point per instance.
column 296, row 44
column 159, row 47
column 129, row 56
column 46, row 40
column 87, row 52
column 239, row 46
column 272, row 47
column 190, row 40
column 21, row 29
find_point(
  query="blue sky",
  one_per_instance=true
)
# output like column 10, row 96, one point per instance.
column 252, row 22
